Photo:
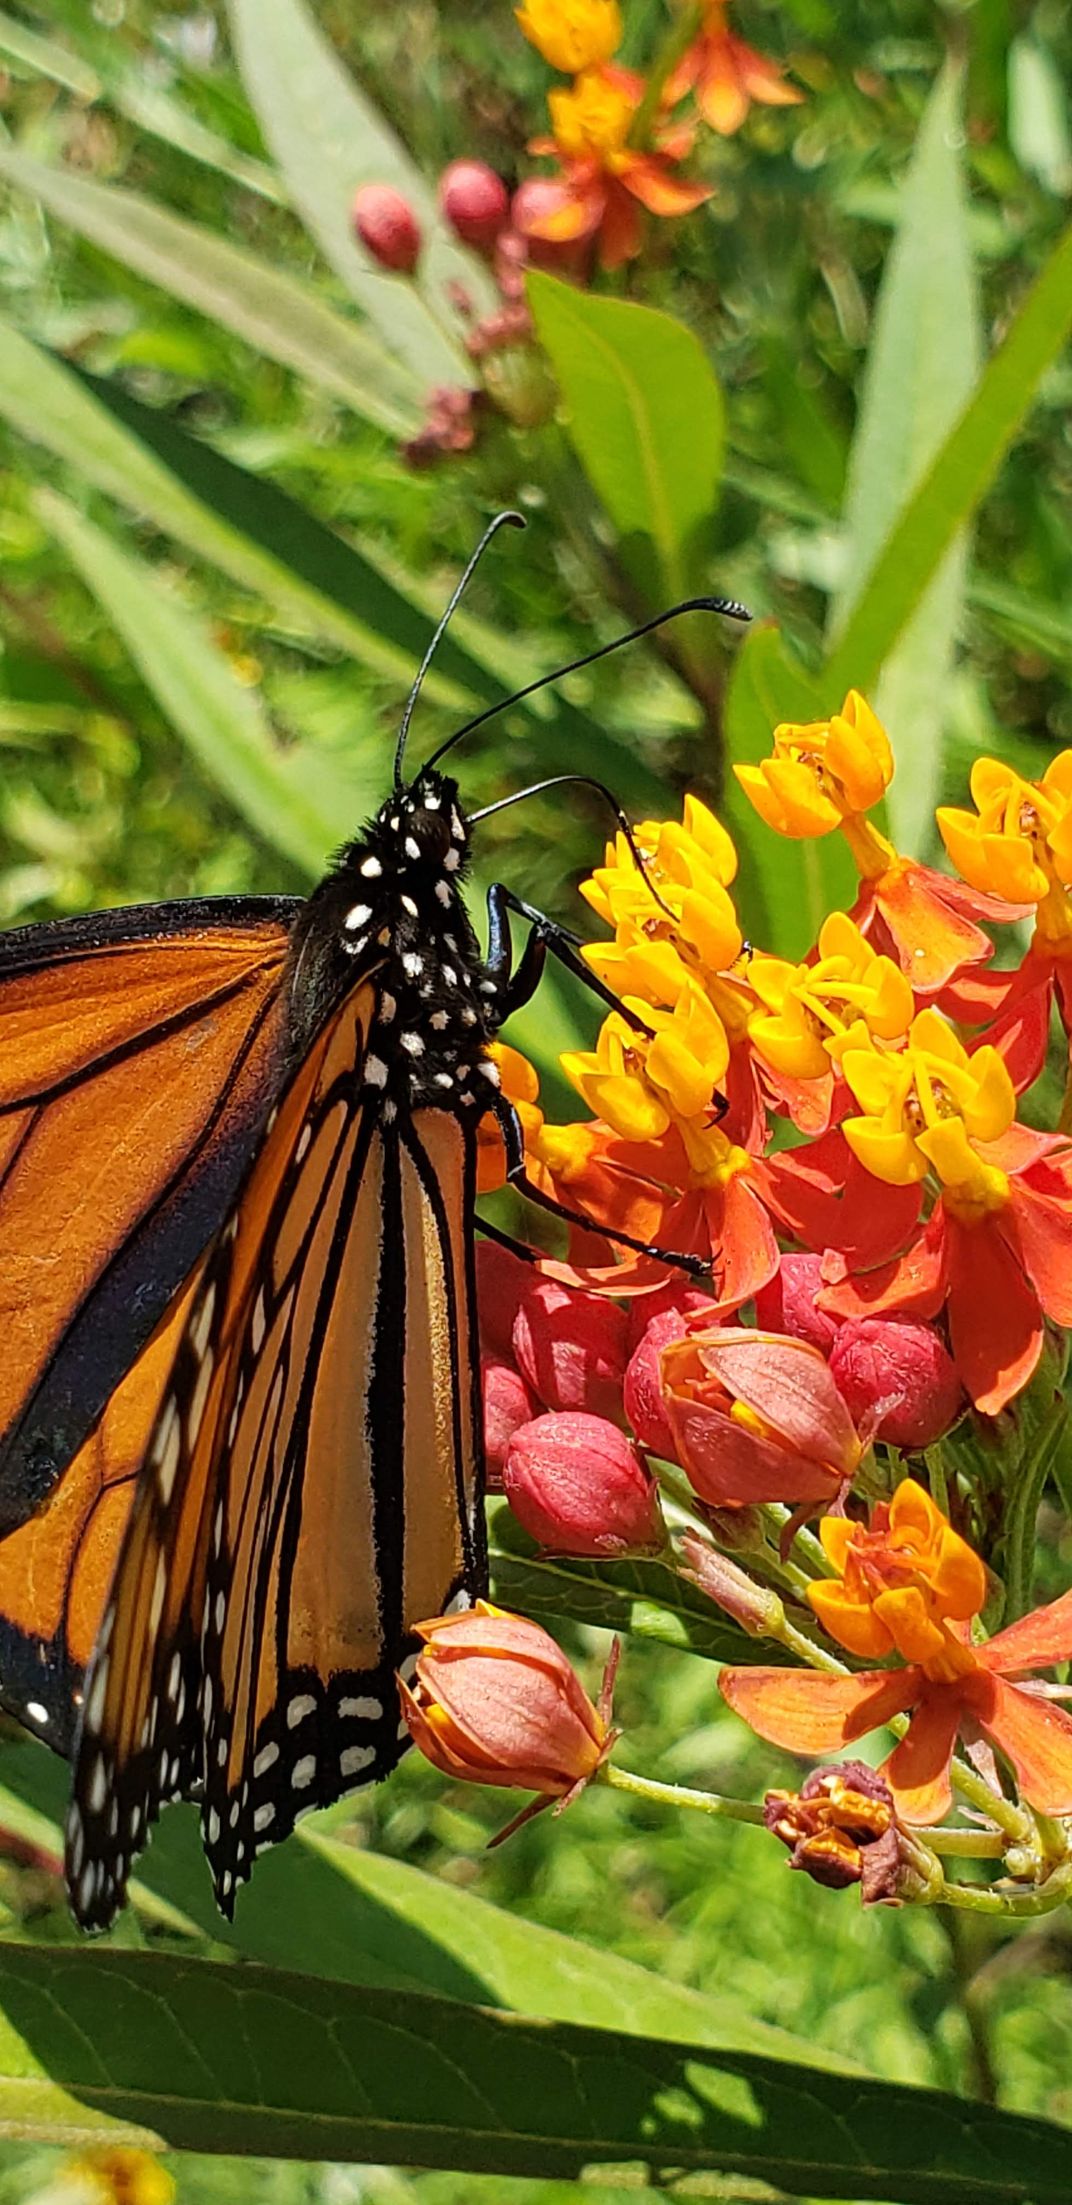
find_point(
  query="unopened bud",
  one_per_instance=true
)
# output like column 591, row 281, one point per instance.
column 897, row 1378
column 502, row 1281
column 756, row 1608
column 508, row 1403
column 387, row 227
column 495, row 1700
column 474, row 201
column 572, row 1348
column 667, row 1315
column 788, row 1303
column 575, row 1484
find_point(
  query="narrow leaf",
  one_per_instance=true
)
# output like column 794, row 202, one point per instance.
column 254, row 2060
column 274, row 312
column 958, row 478
column 644, row 412
column 220, row 721
column 328, row 138
column 923, row 362
column 329, row 1908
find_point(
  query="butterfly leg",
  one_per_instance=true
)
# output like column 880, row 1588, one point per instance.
column 506, row 1240
column 516, row 985
column 697, row 1267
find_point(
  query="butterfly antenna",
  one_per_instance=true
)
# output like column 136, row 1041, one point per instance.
column 584, row 781
column 725, row 605
column 501, row 520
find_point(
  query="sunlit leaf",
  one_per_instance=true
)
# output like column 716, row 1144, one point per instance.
column 328, row 138
column 644, row 412
column 196, row 688
column 213, row 2058
column 272, row 311
column 921, row 367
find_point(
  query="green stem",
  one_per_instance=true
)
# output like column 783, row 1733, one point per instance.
column 939, row 1483
column 673, row 49
column 1010, row 1906
column 1064, row 1122
column 1020, row 1523
column 679, row 1795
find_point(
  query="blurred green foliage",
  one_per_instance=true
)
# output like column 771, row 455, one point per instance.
column 111, row 789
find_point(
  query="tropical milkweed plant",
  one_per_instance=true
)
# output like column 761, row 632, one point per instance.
column 252, row 420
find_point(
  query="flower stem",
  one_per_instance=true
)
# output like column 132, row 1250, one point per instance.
column 1020, row 1522
column 982, row 1898
column 673, row 49
column 679, row 1795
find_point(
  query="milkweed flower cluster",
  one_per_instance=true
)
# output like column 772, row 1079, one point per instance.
column 619, row 141
column 841, row 1431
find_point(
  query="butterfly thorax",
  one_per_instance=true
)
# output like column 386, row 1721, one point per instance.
column 391, row 911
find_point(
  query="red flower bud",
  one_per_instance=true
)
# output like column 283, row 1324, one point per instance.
column 387, row 227
column 501, row 1282
column 495, row 1700
column 642, row 1386
column 788, row 1303
column 572, row 1348
column 474, row 201
column 575, row 1484
column 508, row 1403
column 897, row 1379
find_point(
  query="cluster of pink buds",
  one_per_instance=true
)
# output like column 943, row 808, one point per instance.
column 475, row 203
column 580, row 1390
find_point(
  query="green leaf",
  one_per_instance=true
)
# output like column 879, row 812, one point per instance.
column 247, row 527
column 327, row 139
column 644, row 412
column 274, row 312
column 142, row 102
column 644, row 1599
column 958, row 478
column 786, row 888
column 923, row 362
column 254, row 2060
column 1039, row 131
column 220, row 721
column 328, row 1908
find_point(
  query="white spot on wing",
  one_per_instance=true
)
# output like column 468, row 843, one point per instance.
column 353, row 1759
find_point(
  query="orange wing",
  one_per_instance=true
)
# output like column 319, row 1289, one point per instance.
column 139, row 1055
column 311, row 1487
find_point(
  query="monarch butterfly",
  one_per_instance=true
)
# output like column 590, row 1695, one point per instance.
column 240, row 1428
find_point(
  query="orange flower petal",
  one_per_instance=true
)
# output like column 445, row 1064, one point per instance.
column 853, row 1623
column 1035, row 1642
column 917, row 1771
column 660, row 192
column 816, row 1714
column 1036, row 1737
column 995, row 1320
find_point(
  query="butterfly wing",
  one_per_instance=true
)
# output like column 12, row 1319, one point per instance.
column 139, row 1055
column 312, row 1487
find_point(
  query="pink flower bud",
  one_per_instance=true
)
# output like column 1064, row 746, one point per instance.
column 756, row 1417
column 508, row 1403
column 642, row 1386
column 495, row 1700
column 575, row 1484
column 897, row 1379
column 387, row 227
column 474, row 201
column 572, row 1348
column 501, row 1282
column 788, row 1303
